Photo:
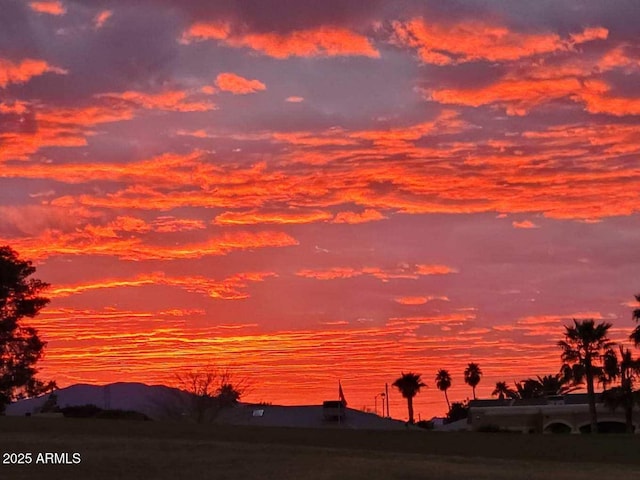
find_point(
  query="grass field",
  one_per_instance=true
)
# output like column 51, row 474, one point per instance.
column 153, row 450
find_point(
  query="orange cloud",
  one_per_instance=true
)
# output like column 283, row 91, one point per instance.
column 88, row 116
column 207, row 31
column 418, row 300
column 101, row 18
column 294, row 99
column 353, row 172
column 168, row 168
column 231, row 288
column 412, row 300
column 443, row 44
column 201, row 133
column 51, row 8
column 524, row 224
column 23, row 71
column 93, row 240
column 174, row 181
column 230, row 82
column 321, row 41
column 589, row 34
column 60, row 127
column 368, row 215
column 171, row 224
column 164, row 224
column 434, row 269
column 622, row 56
column 517, row 95
column 555, row 319
column 570, row 77
column 597, row 99
column 334, row 137
column 447, row 122
column 275, row 217
column 33, row 219
column 171, row 100
column 14, row 108
column 384, row 274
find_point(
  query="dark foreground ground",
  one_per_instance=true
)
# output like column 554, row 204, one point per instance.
column 112, row 449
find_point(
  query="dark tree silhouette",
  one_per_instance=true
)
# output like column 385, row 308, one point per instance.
column 443, row 382
column 503, row 391
column 211, row 390
column 556, row 384
column 635, row 335
column 548, row 385
column 586, row 344
column 20, row 346
column 458, row 411
column 472, row 375
column 409, row 385
column 627, row 370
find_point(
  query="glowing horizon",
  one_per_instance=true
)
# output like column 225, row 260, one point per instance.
column 340, row 192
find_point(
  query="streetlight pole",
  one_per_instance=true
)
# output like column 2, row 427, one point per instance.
column 382, row 395
column 386, row 389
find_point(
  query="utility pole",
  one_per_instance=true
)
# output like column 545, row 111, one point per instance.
column 386, row 389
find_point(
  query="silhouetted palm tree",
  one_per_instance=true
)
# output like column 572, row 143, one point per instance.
column 635, row 335
column 502, row 391
column 548, row 385
column 409, row 385
column 586, row 344
column 627, row 369
column 472, row 376
column 443, row 382
column 557, row 384
column 528, row 388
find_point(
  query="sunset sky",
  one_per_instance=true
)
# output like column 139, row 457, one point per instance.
column 313, row 191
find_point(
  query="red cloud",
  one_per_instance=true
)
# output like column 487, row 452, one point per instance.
column 276, row 217
column 384, row 274
column 100, row 19
column 597, row 98
column 518, row 95
column 51, row 8
column 23, row 71
column 230, row 82
column 171, row 100
column 442, row 44
column 231, row 288
column 368, row 215
column 321, row 41
column 524, row 224
column 435, row 269
column 94, row 240
column 589, row 34
column 412, row 300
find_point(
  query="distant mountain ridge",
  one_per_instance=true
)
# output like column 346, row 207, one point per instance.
column 161, row 402
column 152, row 400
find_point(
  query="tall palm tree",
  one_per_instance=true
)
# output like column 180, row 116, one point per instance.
column 409, row 385
column 503, row 391
column 443, row 382
column 586, row 344
column 472, row 376
column 557, row 384
column 635, row 335
column 627, row 369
